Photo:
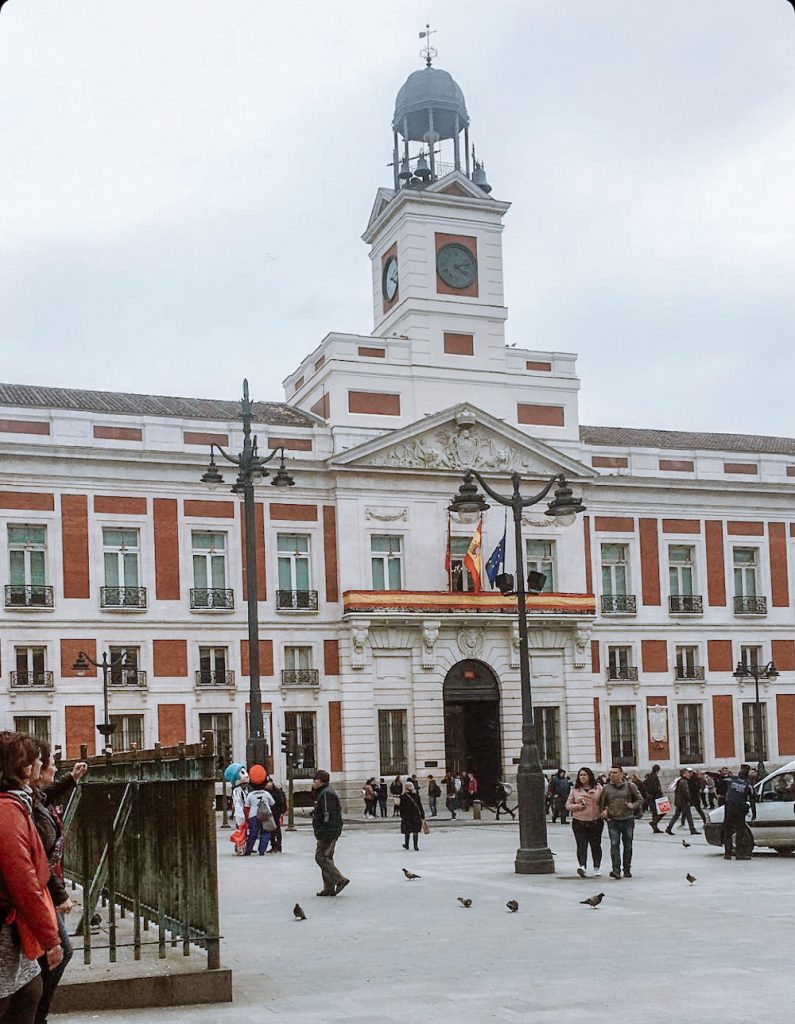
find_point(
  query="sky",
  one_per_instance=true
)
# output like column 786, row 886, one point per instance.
column 184, row 184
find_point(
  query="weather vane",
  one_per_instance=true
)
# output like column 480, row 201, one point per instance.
column 428, row 51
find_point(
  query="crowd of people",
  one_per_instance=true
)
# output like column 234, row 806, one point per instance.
column 258, row 807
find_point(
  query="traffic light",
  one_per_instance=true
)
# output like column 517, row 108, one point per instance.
column 228, row 753
column 288, row 743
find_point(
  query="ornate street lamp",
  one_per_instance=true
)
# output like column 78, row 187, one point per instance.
column 756, row 672
column 533, row 856
column 81, row 665
column 250, row 467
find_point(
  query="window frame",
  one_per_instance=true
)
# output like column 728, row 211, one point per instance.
column 684, row 732
column 43, row 736
column 393, row 734
column 292, row 560
column 207, row 555
column 27, row 548
column 296, row 721
column 119, row 554
column 748, row 718
column 538, row 564
column 121, row 738
column 386, row 558
column 605, row 564
column 743, row 572
column 616, row 715
column 676, row 569
column 547, row 721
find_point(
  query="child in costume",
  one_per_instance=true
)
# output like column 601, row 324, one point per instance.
column 237, row 776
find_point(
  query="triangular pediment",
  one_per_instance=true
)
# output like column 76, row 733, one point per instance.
column 459, row 438
column 383, row 198
column 456, row 183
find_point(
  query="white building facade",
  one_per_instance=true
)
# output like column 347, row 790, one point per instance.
column 375, row 652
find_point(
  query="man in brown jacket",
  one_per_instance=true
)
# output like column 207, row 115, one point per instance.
column 619, row 801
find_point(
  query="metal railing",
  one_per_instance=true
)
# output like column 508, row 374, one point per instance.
column 692, row 604
column 215, row 678
column 126, row 677
column 750, row 606
column 296, row 600
column 619, row 604
column 31, row 681
column 122, row 597
column 689, row 672
column 24, row 596
column 622, row 673
column 222, row 600
column 300, row 677
column 691, row 757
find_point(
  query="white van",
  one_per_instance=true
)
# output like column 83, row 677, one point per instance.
column 775, row 813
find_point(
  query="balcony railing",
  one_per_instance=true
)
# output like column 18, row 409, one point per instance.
column 619, row 604
column 298, row 600
column 692, row 604
column 127, row 677
column 206, row 677
column 23, row 596
column 122, row 597
column 691, row 757
column 442, row 602
column 220, row 600
column 750, row 606
column 624, row 760
column 622, row 674
column 300, row 677
column 690, row 672
column 31, row 680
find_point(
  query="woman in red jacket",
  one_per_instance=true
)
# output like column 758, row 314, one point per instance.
column 27, row 916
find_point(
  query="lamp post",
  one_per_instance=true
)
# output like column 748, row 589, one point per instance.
column 250, row 466
column 82, row 664
column 756, row 672
column 533, row 856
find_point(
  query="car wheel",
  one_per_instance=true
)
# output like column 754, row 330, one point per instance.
column 784, row 851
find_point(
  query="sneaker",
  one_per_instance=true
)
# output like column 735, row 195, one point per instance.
column 341, row 885
column 581, row 872
column 727, row 856
column 597, row 872
column 615, row 874
column 669, row 832
column 627, row 874
column 326, row 893
column 695, row 832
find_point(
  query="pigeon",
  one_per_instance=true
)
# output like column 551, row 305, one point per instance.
column 464, row 903
column 96, row 921
column 512, row 905
column 594, row 901
column 410, row 874
column 686, row 844
column 690, row 878
column 299, row 913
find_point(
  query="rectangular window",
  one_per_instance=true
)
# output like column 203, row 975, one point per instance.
column 37, row 726
column 690, row 721
column 687, row 662
column 386, row 557
column 120, row 553
column 129, row 734
column 755, row 731
column 745, row 569
column 213, row 666
column 619, row 663
column 124, row 664
column 209, row 561
column 681, row 562
column 31, row 667
column 460, row 579
column 297, row 658
column 302, row 725
column 393, row 742
column 540, row 558
column 27, row 550
column 614, row 570
column 547, row 723
column 751, row 656
column 623, row 735
column 220, row 725
column 294, row 567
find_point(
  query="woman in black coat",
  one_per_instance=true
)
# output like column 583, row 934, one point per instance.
column 411, row 816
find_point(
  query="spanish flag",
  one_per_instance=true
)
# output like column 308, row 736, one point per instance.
column 472, row 559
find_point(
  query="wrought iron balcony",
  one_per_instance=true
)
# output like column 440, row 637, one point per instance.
column 211, row 677
column 691, row 757
column 750, row 606
column 692, row 604
column 133, row 598
column 624, row 760
column 126, row 677
column 619, row 604
column 622, row 673
column 23, row 596
column 690, row 672
column 220, row 600
column 296, row 600
column 31, row 680
column 300, row 677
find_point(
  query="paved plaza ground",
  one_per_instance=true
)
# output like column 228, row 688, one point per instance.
column 389, row 951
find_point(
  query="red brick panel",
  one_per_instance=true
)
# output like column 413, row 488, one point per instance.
column 719, row 656
column 371, row 352
column 586, row 537
column 779, row 574
column 542, row 367
column 459, row 344
column 322, row 407
column 298, row 384
column 677, row 465
column 70, row 649
column 738, row 529
column 373, row 403
column 743, row 468
column 595, row 662
column 654, row 655
column 80, row 728
column 614, row 524
column 119, row 433
column 171, row 724
column 74, row 536
column 716, row 573
column 681, row 526
column 723, row 725
column 597, row 731
column 331, row 657
column 166, row 530
column 468, row 242
column 658, row 750
column 335, row 735
column 785, row 715
column 115, row 505
column 790, row 470
column 170, row 658
column 293, row 513
column 609, row 461
column 259, row 534
column 27, row 501
column 291, row 444
column 541, row 415
column 200, row 508
column 319, row 362
column 330, row 553
column 784, row 655
column 202, row 437
column 23, row 427
column 265, row 658
column 649, row 561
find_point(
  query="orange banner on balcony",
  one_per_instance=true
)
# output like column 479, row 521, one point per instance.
column 362, row 601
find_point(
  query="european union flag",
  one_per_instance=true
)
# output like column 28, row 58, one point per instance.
column 496, row 559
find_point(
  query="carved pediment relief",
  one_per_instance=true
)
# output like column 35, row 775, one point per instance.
column 468, row 447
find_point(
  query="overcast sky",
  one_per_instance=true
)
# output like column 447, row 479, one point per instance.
column 184, row 183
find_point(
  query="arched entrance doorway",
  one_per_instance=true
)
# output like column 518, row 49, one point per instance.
column 472, row 723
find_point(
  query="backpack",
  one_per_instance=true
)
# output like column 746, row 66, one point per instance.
column 265, row 817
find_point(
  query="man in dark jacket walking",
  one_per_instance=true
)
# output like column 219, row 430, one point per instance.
column 739, row 794
column 653, row 792
column 682, row 803
column 560, row 786
column 327, row 826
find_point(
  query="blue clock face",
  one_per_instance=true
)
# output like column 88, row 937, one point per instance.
column 456, row 265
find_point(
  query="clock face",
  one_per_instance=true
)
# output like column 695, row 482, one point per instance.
column 456, row 266
column 389, row 281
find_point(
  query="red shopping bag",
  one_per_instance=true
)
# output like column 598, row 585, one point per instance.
column 238, row 837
